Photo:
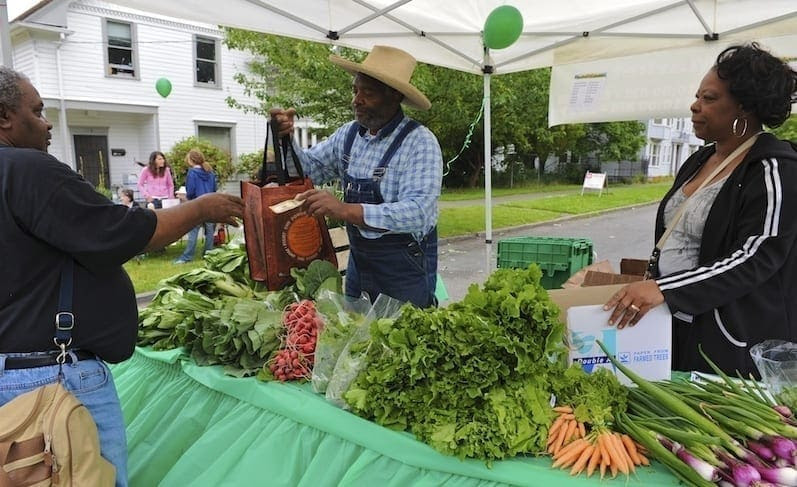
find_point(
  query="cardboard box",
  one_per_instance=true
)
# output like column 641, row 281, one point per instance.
column 631, row 270
column 645, row 348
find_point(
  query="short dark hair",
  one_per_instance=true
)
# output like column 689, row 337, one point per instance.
column 10, row 91
column 764, row 85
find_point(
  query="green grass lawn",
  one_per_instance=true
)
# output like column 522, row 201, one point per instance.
column 147, row 270
column 461, row 194
column 470, row 219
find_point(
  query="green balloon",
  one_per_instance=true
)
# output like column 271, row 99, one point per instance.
column 163, row 86
column 502, row 27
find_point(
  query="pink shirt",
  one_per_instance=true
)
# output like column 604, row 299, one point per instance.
column 149, row 185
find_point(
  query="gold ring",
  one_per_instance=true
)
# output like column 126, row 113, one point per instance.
column 634, row 307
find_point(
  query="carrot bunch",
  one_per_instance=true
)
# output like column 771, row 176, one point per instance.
column 575, row 448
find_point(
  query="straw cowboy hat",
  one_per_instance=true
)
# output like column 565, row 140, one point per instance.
column 392, row 67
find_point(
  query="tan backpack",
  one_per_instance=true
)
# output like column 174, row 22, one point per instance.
column 48, row 437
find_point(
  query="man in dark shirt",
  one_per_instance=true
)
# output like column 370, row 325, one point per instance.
column 50, row 215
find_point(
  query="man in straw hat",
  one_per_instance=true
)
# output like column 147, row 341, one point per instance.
column 391, row 172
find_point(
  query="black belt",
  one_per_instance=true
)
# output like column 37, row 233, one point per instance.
column 44, row 360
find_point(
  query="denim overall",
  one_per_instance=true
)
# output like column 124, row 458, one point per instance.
column 394, row 264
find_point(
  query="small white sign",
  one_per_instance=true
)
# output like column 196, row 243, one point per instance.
column 594, row 180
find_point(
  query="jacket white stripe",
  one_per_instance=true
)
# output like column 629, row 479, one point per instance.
column 725, row 331
column 771, row 222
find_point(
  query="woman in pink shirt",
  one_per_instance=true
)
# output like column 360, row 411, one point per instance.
column 155, row 182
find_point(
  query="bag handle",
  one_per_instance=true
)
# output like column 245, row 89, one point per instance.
column 654, row 258
column 283, row 150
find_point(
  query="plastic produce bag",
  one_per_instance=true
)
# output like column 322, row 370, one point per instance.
column 776, row 360
column 342, row 316
column 352, row 359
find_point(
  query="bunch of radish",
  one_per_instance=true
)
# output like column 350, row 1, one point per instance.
column 295, row 359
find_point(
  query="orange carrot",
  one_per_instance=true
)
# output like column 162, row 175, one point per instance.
column 582, row 460
column 570, row 457
column 616, row 456
column 571, row 427
column 582, row 431
column 644, row 460
column 618, row 444
column 563, row 409
column 560, row 438
column 605, row 460
column 594, row 460
column 569, row 416
column 578, row 444
column 631, row 448
column 603, row 468
column 558, row 422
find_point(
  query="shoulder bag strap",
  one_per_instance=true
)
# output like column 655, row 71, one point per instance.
column 64, row 318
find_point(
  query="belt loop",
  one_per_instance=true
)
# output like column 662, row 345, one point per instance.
column 2, row 364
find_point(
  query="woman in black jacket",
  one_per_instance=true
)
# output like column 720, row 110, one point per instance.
column 728, row 270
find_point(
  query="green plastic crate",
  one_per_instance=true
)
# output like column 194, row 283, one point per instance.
column 558, row 258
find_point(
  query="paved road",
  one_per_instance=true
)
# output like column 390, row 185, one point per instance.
column 622, row 233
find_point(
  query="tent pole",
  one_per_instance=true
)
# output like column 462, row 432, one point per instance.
column 487, row 69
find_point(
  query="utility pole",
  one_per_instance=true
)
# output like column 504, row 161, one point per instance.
column 5, row 36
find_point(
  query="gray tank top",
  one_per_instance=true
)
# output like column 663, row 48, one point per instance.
column 682, row 250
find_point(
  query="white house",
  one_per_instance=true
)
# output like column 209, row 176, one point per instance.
column 669, row 142
column 96, row 65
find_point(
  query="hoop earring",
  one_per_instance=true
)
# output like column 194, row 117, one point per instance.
column 744, row 129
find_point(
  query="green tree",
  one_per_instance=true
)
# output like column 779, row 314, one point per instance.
column 219, row 159
column 788, row 131
column 294, row 73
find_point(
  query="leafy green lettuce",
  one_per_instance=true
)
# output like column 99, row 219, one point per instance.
column 473, row 379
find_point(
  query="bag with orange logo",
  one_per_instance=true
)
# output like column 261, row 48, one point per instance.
column 279, row 233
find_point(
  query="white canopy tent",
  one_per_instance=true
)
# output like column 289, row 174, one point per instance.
column 611, row 59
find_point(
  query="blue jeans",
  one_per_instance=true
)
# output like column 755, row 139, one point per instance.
column 92, row 383
column 190, row 247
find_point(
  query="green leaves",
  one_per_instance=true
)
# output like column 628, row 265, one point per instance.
column 473, row 379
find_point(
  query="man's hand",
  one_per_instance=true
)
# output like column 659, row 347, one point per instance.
column 284, row 118
column 323, row 203
column 221, row 208
column 632, row 302
column 174, row 222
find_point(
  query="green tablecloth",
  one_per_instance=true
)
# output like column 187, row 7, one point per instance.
column 192, row 425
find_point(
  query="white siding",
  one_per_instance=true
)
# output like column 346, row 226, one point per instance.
column 164, row 49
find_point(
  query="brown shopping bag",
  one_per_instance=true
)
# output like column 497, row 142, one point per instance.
column 279, row 234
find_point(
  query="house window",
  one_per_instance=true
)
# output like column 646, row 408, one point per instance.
column 219, row 135
column 206, row 61
column 655, row 150
column 120, row 55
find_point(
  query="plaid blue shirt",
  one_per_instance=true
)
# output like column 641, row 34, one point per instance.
column 410, row 186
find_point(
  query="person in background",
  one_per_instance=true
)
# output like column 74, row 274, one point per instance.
column 728, row 270
column 391, row 172
column 200, row 180
column 126, row 197
column 50, row 215
column 155, row 183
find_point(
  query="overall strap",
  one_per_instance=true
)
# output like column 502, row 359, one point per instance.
column 347, row 145
column 379, row 171
column 64, row 319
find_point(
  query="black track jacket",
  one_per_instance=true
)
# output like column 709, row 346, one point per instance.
column 745, row 288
